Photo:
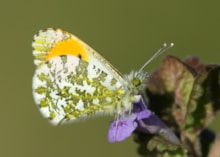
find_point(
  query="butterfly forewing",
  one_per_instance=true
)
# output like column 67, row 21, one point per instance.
column 71, row 80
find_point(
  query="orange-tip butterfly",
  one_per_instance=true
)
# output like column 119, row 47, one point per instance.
column 73, row 81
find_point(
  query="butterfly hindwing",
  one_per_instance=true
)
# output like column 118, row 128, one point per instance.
column 71, row 80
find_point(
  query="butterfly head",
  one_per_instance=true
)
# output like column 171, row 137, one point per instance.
column 136, row 81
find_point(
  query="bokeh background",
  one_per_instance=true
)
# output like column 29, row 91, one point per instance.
column 126, row 32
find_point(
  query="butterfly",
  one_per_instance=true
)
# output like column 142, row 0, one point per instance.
column 73, row 81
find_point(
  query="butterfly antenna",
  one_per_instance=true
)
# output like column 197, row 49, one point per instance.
column 160, row 51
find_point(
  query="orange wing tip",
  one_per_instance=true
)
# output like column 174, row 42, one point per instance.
column 68, row 47
column 51, row 43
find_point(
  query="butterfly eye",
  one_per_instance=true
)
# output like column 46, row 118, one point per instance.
column 136, row 82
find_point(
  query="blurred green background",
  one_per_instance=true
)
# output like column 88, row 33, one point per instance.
column 126, row 32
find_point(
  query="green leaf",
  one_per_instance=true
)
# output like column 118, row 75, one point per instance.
column 157, row 146
column 160, row 144
column 169, row 90
column 204, row 100
column 185, row 95
column 166, row 149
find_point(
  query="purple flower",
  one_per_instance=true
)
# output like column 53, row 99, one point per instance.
column 124, row 126
column 141, row 119
column 121, row 129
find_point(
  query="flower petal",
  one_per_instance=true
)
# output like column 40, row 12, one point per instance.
column 122, row 129
column 154, row 125
column 143, row 114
